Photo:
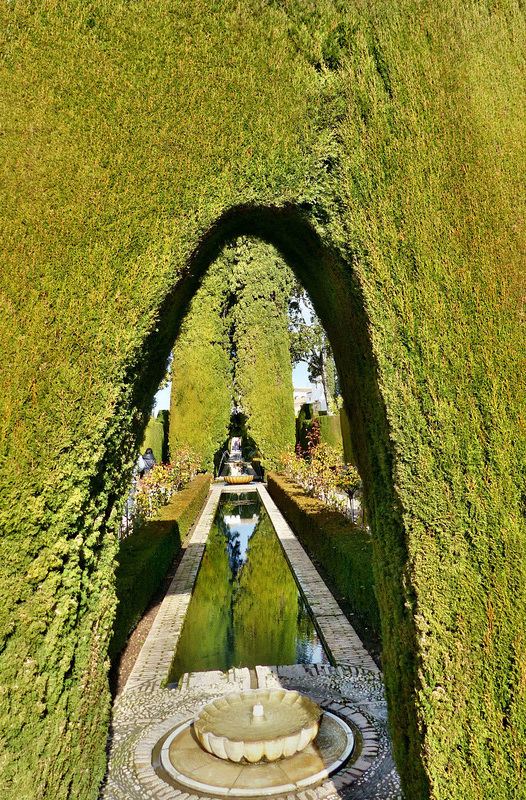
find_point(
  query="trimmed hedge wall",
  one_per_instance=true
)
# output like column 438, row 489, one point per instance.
column 344, row 551
column 330, row 430
column 380, row 147
column 164, row 418
column 201, row 394
column 345, row 427
column 145, row 556
column 154, row 438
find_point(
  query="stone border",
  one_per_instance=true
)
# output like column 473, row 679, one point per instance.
column 342, row 640
column 142, row 718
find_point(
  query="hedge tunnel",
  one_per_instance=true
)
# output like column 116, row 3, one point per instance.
column 379, row 146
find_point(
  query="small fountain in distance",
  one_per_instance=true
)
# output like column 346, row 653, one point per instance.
column 237, row 476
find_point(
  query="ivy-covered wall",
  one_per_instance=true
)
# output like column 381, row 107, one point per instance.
column 380, row 147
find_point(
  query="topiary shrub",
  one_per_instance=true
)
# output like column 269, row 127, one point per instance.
column 330, row 430
column 154, row 438
column 164, row 418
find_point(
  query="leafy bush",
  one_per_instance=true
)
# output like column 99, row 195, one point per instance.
column 322, row 473
column 160, row 484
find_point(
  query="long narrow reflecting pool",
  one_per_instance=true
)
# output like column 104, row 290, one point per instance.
column 246, row 608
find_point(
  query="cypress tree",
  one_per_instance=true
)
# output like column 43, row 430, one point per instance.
column 261, row 284
column 201, row 395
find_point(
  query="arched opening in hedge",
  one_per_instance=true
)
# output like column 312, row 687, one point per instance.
column 328, row 278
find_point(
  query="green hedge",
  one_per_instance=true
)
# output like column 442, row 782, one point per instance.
column 344, row 551
column 304, row 417
column 348, row 455
column 330, row 430
column 380, row 147
column 164, row 418
column 145, row 556
column 154, row 438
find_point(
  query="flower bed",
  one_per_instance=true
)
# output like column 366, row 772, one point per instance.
column 163, row 481
column 321, row 471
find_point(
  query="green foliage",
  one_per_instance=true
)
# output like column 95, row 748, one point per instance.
column 346, row 435
column 322, row 473
column 201, row 396
column 234, row 345
column 380, row 147
column 261, row 284
column 344, row 551
column 330, row 430
column 329, row 427
column 164, row 418
column 146, row 554
column 154, row 438
column 162, row 481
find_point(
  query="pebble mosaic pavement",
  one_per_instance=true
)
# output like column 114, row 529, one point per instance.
column 352, row 689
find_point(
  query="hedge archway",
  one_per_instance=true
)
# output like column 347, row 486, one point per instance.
column 380, row 147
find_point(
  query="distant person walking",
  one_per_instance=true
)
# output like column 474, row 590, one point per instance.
column 149, row 461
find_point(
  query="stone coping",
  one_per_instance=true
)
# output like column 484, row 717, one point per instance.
column 352, row 688
column 143, row 718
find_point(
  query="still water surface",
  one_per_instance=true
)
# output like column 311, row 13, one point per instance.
column 246, row 608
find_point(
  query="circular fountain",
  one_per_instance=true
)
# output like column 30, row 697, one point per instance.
column 258, row 725
column 238, row 480
column 253, row 743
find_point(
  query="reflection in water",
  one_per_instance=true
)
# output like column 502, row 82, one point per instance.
column 245, row 608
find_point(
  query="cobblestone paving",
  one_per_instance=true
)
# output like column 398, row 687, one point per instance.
column 142, row 717
column 145, row 711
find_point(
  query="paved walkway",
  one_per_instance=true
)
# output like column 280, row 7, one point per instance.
column 146, row 711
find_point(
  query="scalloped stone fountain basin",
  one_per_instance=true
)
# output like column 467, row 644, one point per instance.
column 258, row 725
column 238, row 479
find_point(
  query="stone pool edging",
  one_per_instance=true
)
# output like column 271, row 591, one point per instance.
column 353, row 689
column 341, row 638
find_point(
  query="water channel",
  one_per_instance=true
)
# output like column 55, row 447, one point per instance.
column 246, row 608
